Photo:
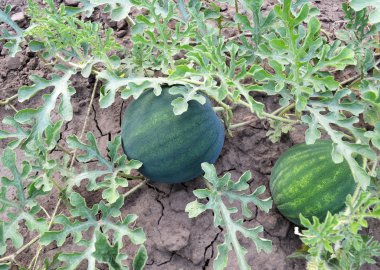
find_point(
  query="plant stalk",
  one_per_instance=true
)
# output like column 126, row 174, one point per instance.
column 237, row 125
column 86, row 119
column 7, row 100
column 135, row 188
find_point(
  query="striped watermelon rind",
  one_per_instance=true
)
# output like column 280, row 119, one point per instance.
column 306, row 180
column 171, row 147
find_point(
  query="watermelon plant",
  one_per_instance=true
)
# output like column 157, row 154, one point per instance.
column 186, row 80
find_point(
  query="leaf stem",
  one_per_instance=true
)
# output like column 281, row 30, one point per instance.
column 207, row 184
column 135, row 188
column 374, row 165
column 356, row 78
column 218, row 109
column 237, row 125
column 12, row 256
column 282, row 110
column 74, row 65
column 130, row 20
column 7, row 100
column 60, row 147
column 286, row 109
column 86, row 119
column 237, row 12
column 19, row 251
column 35, row 258
column 56, row 184
column 279, row 118
column 268, row 115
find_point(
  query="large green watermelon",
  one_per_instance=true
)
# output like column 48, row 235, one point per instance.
column 306, row 180
column 171, row 147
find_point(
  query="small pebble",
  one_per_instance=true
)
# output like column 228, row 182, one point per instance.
column 13, row 63
column 18, row 17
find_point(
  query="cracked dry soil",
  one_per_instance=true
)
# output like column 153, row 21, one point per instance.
column 175, row 241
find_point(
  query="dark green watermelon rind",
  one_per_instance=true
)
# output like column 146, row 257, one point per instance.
column 306, row 180
column 165, row 151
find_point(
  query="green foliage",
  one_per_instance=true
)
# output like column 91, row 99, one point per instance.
column 42, row 115
column 297, row 55
column 338, row 104
column 25, row 208
column 219, row 190
column 337, row 243
column 112, row 168
column 358, row 36
column 370, row 94
column 56, row 31
column 97, row 247
column 12, row 40
column 282, row 52
column 374, row 16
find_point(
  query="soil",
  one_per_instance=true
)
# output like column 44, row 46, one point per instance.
column 174, row 240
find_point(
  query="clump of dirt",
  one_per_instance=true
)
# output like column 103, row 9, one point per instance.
column 174, row 240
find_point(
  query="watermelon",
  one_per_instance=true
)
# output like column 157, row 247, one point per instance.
column 306, row 180
column 171, row 147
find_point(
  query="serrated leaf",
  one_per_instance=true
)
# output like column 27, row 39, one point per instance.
column 374, row 16
column 347, row 150
column 18, row 136
column 98, row 247
column 13, row 41
column 108, row 169
column 180, row 104
column 221, row 188
column 42, row 115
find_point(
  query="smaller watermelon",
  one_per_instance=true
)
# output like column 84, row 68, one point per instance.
column 306, row 180
column 171, row 147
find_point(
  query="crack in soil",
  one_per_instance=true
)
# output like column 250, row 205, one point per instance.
column 157, row 189
column 150, row 263
column 96, row 122
column 162, row 210
column 168, row 261
column 211, row 245
column 121, row 112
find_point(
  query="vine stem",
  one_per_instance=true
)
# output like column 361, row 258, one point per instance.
column 68, row 62
column 268, row 115
column 355, row 78
column 31, row 242
column 13, row 107
column 56, row 184
column 35, row 258
column 7, row 100
column 85, row 120
column 60, row 147
column 207, row 184
column 237, row 12
column 237, row 125
column 282, row 110
column 13, row 256
column 218, row 109
column 374, row 165
column 130, row 20
column 135, row 188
